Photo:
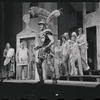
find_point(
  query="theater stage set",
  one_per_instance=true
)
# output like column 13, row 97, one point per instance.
column 86, row 87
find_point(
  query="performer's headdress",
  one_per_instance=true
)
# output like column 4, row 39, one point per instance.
column 74, row 34
column 46, row 15
column 66, row 33
column 63, row 36
column 42, row 22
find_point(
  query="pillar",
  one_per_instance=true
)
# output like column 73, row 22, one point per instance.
column 84, row 28
column 98, row 40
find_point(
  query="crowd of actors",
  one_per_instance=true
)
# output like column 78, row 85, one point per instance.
column 67, row 58
column 22, row 60
column 71, row 54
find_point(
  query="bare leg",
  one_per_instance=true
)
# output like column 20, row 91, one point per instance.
column 39, row 68
column 80, row 66
column 57, row 64
column 65, row 64
column 85, row 65
column 83, row 58
column 25, row 72
column 20, row 72
column 73, row 68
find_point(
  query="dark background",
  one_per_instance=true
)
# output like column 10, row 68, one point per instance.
column 10, row 24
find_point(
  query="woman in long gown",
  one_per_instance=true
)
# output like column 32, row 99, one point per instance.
column 58, row 55
column 82, row 43
column 65, row 47
column 66, row 34
column 75, row 57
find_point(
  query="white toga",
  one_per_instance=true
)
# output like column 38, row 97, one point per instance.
column 23, row 56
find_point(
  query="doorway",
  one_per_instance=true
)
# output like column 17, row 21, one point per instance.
column 30, row 44
column 92, row 47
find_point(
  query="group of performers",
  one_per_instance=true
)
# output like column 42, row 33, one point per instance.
column 72, row 54
column 22, row 60
column 69, row 55
column 67, row 58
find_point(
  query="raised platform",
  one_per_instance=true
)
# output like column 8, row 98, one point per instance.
column 87, row 78
column 78, row 87
column 92, row 72
column 59, row 82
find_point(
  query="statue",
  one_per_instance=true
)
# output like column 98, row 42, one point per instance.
column 26, row 19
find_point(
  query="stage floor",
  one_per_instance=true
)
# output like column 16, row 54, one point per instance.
column 59, row 82
column 68, row 90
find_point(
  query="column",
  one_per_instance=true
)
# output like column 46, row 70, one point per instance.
column 84, row 28
column 98, row 46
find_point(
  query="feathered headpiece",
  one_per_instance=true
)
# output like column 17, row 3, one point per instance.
column 55, row 13
column 46, row 15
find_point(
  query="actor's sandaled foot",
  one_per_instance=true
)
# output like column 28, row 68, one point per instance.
column 54, row 81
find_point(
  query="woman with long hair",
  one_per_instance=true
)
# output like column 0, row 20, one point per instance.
column 82, row 43
column 65, row 47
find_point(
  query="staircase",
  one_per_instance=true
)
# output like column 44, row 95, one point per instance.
column 89, row 76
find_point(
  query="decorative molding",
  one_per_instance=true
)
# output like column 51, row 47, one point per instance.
column 26, row 34
column 91, row 19
column 97, row 16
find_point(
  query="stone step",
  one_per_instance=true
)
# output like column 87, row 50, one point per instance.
column 92, row 72
column 90, row 78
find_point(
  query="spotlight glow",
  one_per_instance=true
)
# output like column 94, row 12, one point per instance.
column 56, row 94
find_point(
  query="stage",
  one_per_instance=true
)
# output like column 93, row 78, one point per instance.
column 59, row 82
column 63, row 90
